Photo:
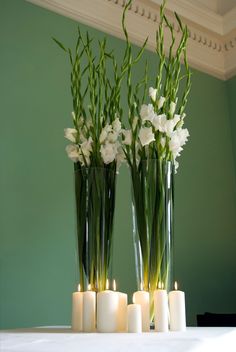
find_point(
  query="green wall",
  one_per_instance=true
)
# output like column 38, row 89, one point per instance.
column 231, row 92
column 37, row 217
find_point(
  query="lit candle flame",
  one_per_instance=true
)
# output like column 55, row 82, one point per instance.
column 176, row 286
column 107, row 284
column 79, row 288
column 114, row 285
column 89, row 287
column 159, row 285
column 141, row 286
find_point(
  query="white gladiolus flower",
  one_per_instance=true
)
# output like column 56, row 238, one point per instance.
column 146, row 136
column 153, row 93
column 82, row 138
column 70, row 134
column 128, row 137
column 170, row 125
column 104, row 133
column 161, row 102
column 112, row 137
column 147, row 112
column 159, row 122
column 73, row 152
column 163, row 125
column 109, row 152
column 86, row 147
column 172, row 108
column 178, row 138
column 183, row 134
column 116, row 124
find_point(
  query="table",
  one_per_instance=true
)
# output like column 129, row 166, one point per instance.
column 62, row 339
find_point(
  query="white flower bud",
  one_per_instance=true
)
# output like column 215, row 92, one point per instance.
column 116, row 124
column 161, row 102
column 153, row 93
column 172, row 108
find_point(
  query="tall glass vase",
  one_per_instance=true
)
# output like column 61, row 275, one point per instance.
column 95, row 205
column 152, row 204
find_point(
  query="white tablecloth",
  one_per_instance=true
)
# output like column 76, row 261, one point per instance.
column 61, row 339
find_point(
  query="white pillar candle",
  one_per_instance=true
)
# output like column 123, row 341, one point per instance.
column 177, row 310
column 161, row 311
column 77, row 310
column 89, row 310
column 107, row 311
column 122, row 312
column 134, row 318
column 142, row 298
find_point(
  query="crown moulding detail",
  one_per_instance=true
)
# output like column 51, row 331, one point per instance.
column 208, row 52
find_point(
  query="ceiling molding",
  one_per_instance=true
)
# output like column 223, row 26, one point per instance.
column 200, row 15
column 229, row 21
column 208, row 50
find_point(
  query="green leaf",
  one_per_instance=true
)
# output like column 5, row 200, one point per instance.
column 179, row 21
column 59, row 44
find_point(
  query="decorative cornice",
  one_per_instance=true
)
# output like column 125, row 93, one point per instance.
column 208, row 51
column 229, row 21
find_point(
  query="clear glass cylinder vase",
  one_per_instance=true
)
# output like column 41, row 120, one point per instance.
column 152, row 205
column 95, row 205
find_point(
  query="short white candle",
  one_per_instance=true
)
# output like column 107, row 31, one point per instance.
column 77, row 310
column 122, row 310
column 161, row 311
column 142, row 298
column 134, row 318
column 177, row 310
column 89, row 310
column 107, row 310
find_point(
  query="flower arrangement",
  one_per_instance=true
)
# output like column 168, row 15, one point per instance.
column 96, row 150
column 97, row 126
column 152, row 142
column 96, row 134
column 156, row 129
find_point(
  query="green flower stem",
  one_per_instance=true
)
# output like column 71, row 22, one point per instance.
column 153, row 206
